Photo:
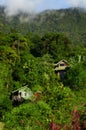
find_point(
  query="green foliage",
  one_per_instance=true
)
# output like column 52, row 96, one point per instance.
column 68, row 21
column 28, row 60
column 33, row 116
column 76, row 76
column 5, row 80
column 52, row 44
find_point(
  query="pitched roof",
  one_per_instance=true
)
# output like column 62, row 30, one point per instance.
column 25, row 89
column 61, row 62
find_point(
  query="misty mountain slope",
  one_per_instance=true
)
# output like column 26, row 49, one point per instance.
column 72, row 22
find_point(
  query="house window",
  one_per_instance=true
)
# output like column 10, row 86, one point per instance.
column 25, row 94
column 20, row 93
column 61, row 64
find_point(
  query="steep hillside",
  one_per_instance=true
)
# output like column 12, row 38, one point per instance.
column 72, row 22
column 35, row 93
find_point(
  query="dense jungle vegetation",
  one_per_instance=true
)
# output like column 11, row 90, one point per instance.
column 71, row 22
column 27, row 59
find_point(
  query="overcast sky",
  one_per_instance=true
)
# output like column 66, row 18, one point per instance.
column 14, row 6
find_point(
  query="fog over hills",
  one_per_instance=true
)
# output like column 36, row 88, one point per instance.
column 70, row 21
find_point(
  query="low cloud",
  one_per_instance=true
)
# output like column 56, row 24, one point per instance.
column 14, row 7
column 77, row 3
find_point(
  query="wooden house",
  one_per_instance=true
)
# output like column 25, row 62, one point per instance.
column 20, row 95
column 61, row 67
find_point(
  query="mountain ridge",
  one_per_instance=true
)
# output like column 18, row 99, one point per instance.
column 70, row 21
